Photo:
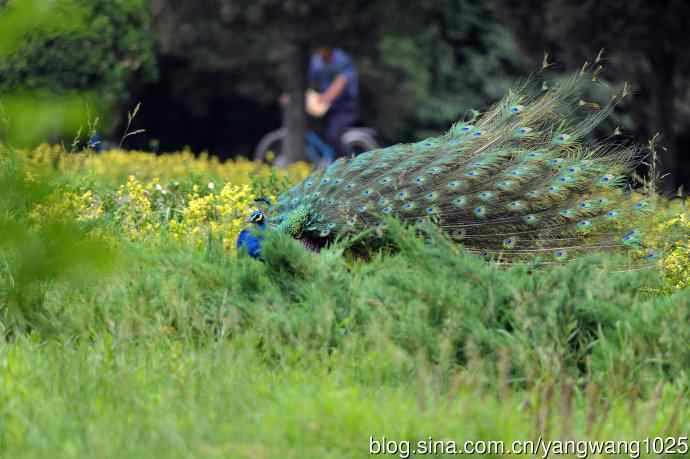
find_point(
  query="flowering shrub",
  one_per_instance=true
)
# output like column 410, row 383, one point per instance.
column 148, row 197
column 667, row 236
column 221, row 214
column 151, row 211
column 676, row 262
column 81, row 206
column 115, row 166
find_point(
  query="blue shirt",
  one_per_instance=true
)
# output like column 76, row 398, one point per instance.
column 322, row 74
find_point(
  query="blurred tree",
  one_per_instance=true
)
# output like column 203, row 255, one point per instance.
column 28, row 117
column 422, row 79
column 646, row 44
column 111, row 50
column 263, row 45
column 415, row 79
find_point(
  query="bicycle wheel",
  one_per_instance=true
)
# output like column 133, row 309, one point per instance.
column 360, row 146
column 360, row 140
column 271, row 146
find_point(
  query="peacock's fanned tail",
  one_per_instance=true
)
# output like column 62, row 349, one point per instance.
column 521, row 180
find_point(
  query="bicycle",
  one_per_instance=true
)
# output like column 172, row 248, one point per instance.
column 356, row 139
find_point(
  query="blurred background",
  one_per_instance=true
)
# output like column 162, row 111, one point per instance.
column 208, row 73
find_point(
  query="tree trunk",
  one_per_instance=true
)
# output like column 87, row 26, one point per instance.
column 665, row 115
column 294, row 118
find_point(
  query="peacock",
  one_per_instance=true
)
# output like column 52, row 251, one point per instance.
column 519, row 180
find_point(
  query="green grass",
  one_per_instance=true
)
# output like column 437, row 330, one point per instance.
column 190, row 353
column 164, row 397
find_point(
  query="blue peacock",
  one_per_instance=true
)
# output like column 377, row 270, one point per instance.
column 520, row 180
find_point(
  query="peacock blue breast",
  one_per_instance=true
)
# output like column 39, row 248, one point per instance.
column 250, row 240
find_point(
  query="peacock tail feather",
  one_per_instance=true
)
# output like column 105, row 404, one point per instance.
column 520, row 180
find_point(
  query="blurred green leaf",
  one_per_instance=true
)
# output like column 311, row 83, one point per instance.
column 33, row 117
column 34, row 255
column 18, row 18
column 54, row 53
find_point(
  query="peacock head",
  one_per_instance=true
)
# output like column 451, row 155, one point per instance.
column 258, row 217
column 292, row 224
column 251, row 239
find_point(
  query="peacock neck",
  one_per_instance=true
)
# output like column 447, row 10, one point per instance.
column 295, row 222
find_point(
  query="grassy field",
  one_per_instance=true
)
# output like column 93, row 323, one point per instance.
column 131, row 328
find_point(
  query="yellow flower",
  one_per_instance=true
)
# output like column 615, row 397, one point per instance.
column 114, row 166
column 84, row 206
column 676, row 265
column 144, row 209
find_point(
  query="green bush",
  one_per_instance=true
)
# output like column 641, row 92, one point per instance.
column 430, row 298
column 110, row 48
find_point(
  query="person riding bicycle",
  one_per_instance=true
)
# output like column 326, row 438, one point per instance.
column 333, row 75
column 332, row 99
